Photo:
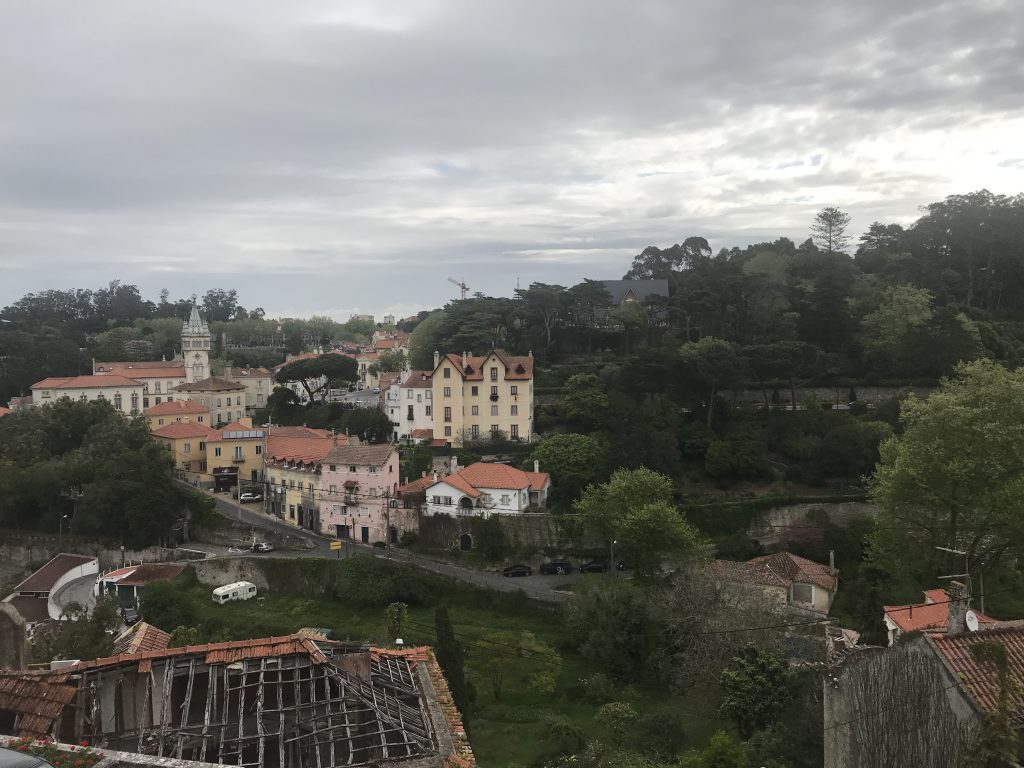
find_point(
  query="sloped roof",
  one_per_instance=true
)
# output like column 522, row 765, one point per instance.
column 145, row 573
column 799, row 569
column 418, row 485
column 255, row 433
column 211, row 384
column 931, row 614
column 500, row 476
column 642, row 289
column 195, row 325
column 86, row 382
column 307, row 450
column 148, row 364
column 745, row 573
column 421, row 434
column 981, row 680
column 37, row 697
column 32, row 609
column 517, row 368
column 141, row 637
column 4, row 411
column 167, row 369
column 176, row 408
column 418, row 380
column 359, row 454
column 281, row 431
column 44, row 579
column 179, row 429
column 251, row 373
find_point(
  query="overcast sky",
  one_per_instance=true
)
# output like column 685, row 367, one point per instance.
column 333, row 157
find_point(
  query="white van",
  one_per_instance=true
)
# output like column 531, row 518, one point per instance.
column 240, row 590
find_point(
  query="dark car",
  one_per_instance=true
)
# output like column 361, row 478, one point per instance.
column 248, row 497
column 517, row 570
column 130, row 615
column 560, row 567
column 263, row 546
column 594, row 566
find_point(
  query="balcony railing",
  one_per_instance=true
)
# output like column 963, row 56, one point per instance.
column 238, row 460
column 494, row 398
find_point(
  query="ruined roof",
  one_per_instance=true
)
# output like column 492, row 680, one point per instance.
column 359, row 454
column 176, row 408
column 981, row 680
column 933, row 613
column 141, row 637
column 745, row 573
column 37, row 698
column 44, row 579
column 210, row 384
column 179, row 429
column 799, row 569
column 308, row 450
column 85, row 382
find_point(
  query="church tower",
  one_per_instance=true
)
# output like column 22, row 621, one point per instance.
column 195, row 346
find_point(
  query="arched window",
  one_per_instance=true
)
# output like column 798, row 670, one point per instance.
column 117, row 401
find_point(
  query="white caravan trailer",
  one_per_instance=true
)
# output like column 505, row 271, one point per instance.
column 240, row 590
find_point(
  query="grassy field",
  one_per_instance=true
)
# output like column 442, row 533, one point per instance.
column 513, row 731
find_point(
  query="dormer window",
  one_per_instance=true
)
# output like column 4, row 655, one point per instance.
column 494, row 374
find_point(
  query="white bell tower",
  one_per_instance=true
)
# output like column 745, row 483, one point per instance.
column 195, row 346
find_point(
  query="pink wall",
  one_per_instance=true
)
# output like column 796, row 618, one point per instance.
column 375, row 490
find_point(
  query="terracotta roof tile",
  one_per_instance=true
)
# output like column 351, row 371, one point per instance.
column 418, row 380
column 981, row 680
column 360, row 455
column 744, row 573
column 4, row 411
column 211, row 384
column 487, row 475
column 418, row 485
column 251, row 373
column 146, row 573
column 85, row 382
column 143, row 370
column 38, row 698
column 516, row 368
column 275, row 430
column 176, row 408
column 141, row 637
column 180, row 429
column 43, row 579
column 931, row 614
column 799, row 569
column 422, row 434
column 308, row 450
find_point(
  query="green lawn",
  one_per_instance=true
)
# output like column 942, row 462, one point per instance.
column 512, row 731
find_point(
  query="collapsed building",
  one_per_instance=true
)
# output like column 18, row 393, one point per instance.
column 297, row 700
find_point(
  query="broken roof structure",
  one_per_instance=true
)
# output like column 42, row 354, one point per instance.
column 297, row 700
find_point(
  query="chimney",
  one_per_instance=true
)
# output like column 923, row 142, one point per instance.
column 536, row 465
column 956, row 624
column 465, row 359
column 530, row 353
column 435, row 477
column 455, row 464
column 437, row 358
column 423, row 473
column 832, row 561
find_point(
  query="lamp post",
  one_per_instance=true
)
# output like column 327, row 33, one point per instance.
column 611, row 555
column 60, row 525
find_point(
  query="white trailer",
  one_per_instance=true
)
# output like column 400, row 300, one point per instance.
column 240, row 590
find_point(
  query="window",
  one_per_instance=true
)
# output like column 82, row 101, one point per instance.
column 803, row 593
column 447, row 372
column 291, row 511
column 494, row 410
column 447, row 391
column 411, row 415
column 515, row 389
column 332, row 467
column 373, row 470
column 505, row 499
column 158, row 400
column 447, row 431
column 494, row 393
column 216, row 451
column 351, row 469
column 117, row 401
column 447, row 413
column 238, row 400
column 427, row 410
column 291, row 483
column 199, row 419
column 160, row 422
column 515, row 410
column 135, row 401
column 430, row 394
column 364, row 511
column 259, row 385
column 156, row 387
column 145, row 402
column 494, row 374
column 334, row 489
column 419, row 398
column 219, row 401
column 187, row 448
column 259, row 449
column 336, row 509
column 259, row 398
column 239, row 455
column 475, row 390
column 514, row 432
column 494, row 429
column 474, row 431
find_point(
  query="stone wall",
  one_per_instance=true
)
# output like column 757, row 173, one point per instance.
column 770, row 526
column 13, row 649
column 522, row 532
column 26, row 552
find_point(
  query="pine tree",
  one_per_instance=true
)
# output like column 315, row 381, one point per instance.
column 829, row 229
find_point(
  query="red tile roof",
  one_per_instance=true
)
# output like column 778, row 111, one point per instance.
column 251, row 373
column 360, row 454
column 981, row 680
column 211, row 384
column 275, row 430
column 218, row 435
column 145, row 573
column 515, row 368
column 422, row 434
column 141, row 637
column 180, row 429
column 176, row 408
column 308, row 450
column 44, row 579
column 37, row 697
column 931, row 614
column 143, row 370
column 4, row 411
column 85, row 382
column 418, row 380
column 745, row 573
column 418, row 485
column 488, row 475
column 162, row 364
column 799, row 569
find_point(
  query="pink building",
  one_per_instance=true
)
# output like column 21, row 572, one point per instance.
column 358, row 494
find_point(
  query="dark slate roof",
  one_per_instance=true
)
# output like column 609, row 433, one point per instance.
column 642, row 289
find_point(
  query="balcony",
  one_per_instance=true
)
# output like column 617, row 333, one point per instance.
column 494, row 398
column 237, row 459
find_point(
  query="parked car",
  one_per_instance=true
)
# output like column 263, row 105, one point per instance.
column 248, row 497
column 263, row 546
column 594, row 566
column 517, row 570
column 560, row 567
column 130, row 615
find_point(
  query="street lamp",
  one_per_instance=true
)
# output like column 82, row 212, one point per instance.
column 60, row 529
column 611, row 555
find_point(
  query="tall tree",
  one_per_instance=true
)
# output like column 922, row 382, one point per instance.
column 829, row 230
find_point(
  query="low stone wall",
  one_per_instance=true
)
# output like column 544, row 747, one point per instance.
column 30, row 551
column 522, row 532
column 770, row 527
column 227, row 570
column 835, row 395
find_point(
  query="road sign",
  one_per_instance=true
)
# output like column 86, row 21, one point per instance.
column 335, row 546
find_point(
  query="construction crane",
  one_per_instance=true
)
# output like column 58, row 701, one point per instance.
column 461, row 283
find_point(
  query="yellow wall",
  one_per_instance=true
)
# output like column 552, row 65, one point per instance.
column 252, row 457
column 462, row 402
column 161, row 421
column 291, row 498
column 193, row 457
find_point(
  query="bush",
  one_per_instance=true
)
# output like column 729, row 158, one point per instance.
column 409, row 539
column 598, row 688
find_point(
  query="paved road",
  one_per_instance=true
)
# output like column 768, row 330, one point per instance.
column 77, row 591
column 549, row 588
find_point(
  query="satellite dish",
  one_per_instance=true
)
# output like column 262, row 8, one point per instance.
column 972, row 621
